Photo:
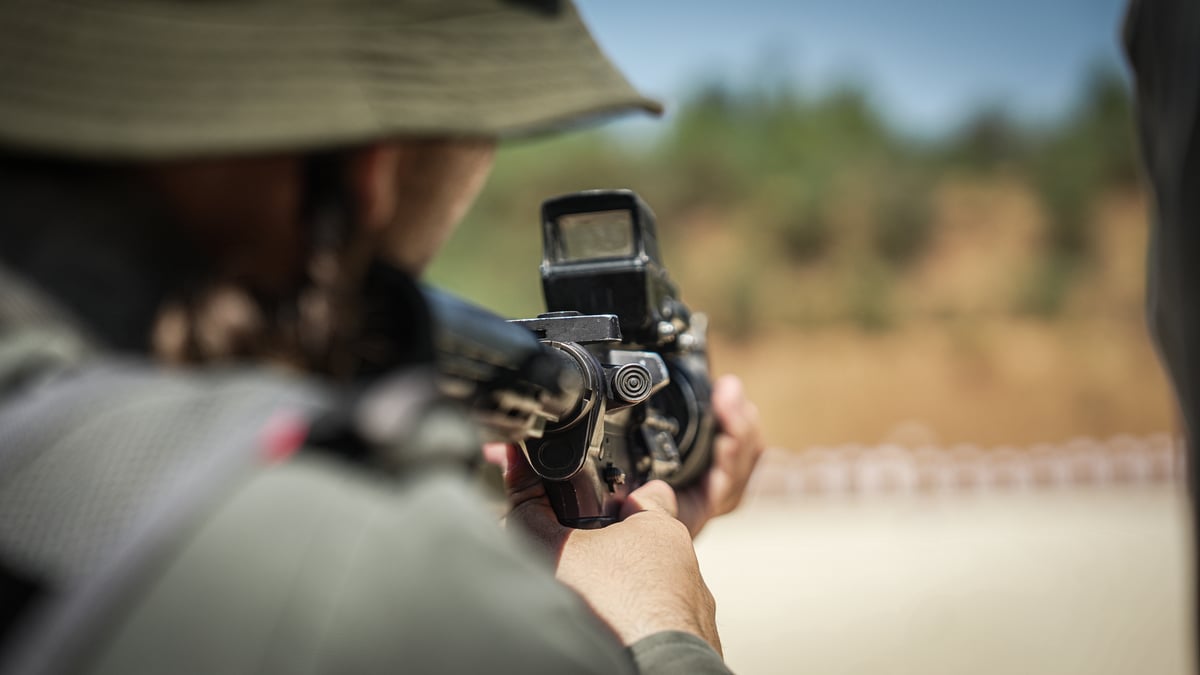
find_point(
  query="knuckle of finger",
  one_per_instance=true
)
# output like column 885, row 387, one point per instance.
column 665, row 524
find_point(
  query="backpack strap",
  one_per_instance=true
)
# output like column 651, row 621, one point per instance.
column 103, row 468
column 107, row 464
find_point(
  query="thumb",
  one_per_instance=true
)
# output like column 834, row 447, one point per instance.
column 655, row 496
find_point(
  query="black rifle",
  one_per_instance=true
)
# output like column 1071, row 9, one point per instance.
column 607, row 390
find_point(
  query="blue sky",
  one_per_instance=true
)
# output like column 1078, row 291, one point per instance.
column 926, row 63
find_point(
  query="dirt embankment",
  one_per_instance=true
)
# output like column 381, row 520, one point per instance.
column 997, row 382
column 959, row 362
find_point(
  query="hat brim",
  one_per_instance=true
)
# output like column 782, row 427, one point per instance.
column 141, row 80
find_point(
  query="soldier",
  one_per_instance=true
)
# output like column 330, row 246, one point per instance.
column 192, row 195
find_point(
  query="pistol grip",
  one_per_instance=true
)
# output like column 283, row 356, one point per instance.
column 585, row 502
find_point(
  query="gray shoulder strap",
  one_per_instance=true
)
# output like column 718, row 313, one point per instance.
column 102, row 467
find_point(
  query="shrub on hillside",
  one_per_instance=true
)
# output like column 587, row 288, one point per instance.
column 902, row 222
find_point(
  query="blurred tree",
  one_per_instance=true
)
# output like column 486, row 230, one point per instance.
column 988, row 141
column 1090, row 151
column 798, row 175
column 902, row 222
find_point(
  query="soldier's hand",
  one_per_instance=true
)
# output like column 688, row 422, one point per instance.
column 736, row 451
column 640, row 575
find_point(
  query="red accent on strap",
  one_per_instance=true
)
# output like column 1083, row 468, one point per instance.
column 283, row 435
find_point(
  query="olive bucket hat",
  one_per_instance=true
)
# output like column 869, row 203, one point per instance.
column 141, row 79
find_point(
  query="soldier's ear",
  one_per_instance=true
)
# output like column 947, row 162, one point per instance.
column 372, row 184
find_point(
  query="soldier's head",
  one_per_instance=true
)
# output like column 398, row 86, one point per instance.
column 254, row 125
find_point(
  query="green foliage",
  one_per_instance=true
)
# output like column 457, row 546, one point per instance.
column 797, row 175
column 799, row 214
column 1068, row 165
column 989, row 140
column 722, row 146
column 1103, row 127
column 1047, row 287
column 807, row 233
column 869, row 301
column 741, row 320
column 903, row 220
column 1072, row 166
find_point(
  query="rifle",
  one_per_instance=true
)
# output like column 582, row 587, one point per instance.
column 609, row 388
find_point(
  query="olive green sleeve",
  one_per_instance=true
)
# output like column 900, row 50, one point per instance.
column 312, row 567
column 676, row 652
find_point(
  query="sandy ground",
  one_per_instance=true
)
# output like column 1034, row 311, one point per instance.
column 1086, row 581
